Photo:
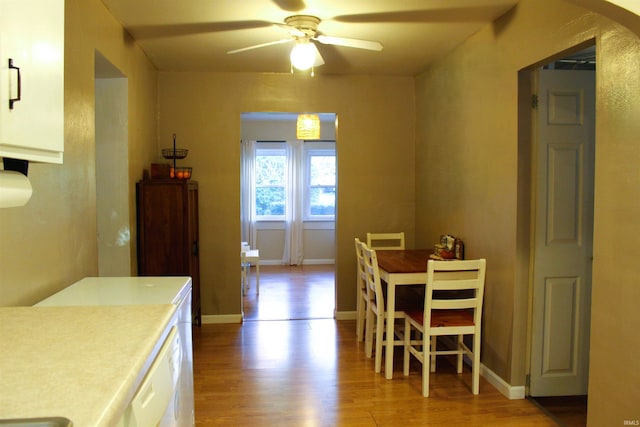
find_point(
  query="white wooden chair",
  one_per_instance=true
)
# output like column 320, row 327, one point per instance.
column 361, row 284
column 385, row 241
column 376, row 309
column 453, row 307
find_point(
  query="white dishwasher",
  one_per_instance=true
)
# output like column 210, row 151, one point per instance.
column 154, row 401
column 177, row 347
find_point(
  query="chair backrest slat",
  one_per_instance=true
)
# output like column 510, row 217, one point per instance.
column 386, row 241
column 455, row 284
column 454, row 304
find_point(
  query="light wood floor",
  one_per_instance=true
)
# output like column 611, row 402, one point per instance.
column 287, row 293
column 313, row 372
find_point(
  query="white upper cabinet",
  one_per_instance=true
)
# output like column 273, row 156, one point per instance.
column 32, row 39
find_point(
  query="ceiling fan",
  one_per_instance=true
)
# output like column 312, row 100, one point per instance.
column 303, row 31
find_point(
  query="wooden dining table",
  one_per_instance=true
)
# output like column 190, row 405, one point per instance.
column 398, row 268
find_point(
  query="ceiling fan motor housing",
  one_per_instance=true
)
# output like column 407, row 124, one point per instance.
column 306, row 24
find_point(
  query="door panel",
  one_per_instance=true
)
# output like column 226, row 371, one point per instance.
column 561, row 307
column 563, row 233
column 563, row 194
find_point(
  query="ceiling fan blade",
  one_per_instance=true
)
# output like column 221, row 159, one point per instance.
column 258, row 46
column 293, row 31
column 454, row 14
column 356, row 43
column 161, row 31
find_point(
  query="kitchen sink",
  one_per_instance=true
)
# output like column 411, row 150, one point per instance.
column 37, row 422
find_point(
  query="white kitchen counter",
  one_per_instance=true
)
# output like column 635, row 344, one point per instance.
column 82, row 363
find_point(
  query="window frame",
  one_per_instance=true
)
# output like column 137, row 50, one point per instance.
column 320, row 149
column 272, row 149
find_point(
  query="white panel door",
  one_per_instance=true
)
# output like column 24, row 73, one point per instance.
column 564, row 233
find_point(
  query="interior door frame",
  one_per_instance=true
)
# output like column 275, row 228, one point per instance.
column 526, row 206
column 276, row 116
column 116, row 256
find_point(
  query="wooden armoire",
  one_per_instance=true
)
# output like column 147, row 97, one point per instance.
column 168, row 232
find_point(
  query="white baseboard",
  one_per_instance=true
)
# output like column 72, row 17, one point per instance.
column 222, row 318
column 318, row 261
column 270, row 262
column 345, row 315
column 509, row 391
column 304, row 262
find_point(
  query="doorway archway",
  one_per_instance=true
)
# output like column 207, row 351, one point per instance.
column 290, row 216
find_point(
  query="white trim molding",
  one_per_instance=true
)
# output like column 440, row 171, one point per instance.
column 345, row 315
column 304, row 262
column 318, row 262
column 509, row 391
column 222, row 318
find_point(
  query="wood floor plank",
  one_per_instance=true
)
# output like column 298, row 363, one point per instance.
column 291, row 292
column 313, row 372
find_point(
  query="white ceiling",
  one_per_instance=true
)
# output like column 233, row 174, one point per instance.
column 194, row 35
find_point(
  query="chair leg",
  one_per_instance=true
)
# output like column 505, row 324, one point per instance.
column 358, row 308
column 379, row 341
column 258, row 278
column 425, row 369
column 428, row 344
column 364, row 324
column 460, row 353
column 244, row 280
column 407, row 342
column 431, row 359
column 368, row 331
column 360, row 318
column 476, row 363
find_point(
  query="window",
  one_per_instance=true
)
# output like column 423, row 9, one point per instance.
column 271, row 179
column 318, row 192
column 320, row 184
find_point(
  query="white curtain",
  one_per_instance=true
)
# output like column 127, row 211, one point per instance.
column 248, row 192
column 293, row 253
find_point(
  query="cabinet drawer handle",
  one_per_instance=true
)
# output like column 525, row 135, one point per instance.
column 12, row 100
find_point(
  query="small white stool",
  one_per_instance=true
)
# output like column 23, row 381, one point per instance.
column 248, row 257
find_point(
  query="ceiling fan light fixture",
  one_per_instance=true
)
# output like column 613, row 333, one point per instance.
column 308, row 126
column 303, row 55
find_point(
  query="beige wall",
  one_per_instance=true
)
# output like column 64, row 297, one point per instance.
column 375, row 143
column 465, row 107
column 467, row 181
column 51, row 242
column 614, row 389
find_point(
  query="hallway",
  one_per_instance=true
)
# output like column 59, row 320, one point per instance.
column 291, row 292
